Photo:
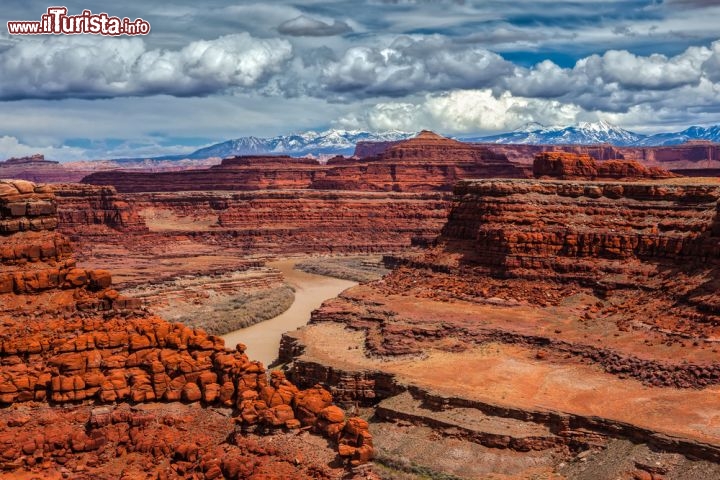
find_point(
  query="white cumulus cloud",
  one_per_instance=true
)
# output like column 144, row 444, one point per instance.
column 464, row 111
column 91, row 67
column 12, row 147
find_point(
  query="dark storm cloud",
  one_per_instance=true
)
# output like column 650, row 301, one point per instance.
column 409, row 66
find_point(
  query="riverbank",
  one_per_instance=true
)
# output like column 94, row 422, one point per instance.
column 263, row 339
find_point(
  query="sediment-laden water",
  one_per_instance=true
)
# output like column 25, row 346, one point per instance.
column 263, row 339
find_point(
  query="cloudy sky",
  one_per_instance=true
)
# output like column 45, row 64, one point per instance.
column 215, row 70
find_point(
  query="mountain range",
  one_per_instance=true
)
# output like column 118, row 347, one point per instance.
column 316, row 144
column 597, row 132
column 342, row 142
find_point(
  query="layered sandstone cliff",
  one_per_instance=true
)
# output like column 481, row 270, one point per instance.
column 569, row 166
column 240, row 173
column 68, row 338
column 425, row 163
column 299, row 221
column 95, row 209
column 691, row 155
column 586, row 307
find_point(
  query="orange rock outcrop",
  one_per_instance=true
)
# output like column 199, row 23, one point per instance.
column 570, row 166
column 67, row 338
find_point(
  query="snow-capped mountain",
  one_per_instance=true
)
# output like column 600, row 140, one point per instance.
column 711, row 134
column 581, row 133
column 333, row 142
column 300, row 144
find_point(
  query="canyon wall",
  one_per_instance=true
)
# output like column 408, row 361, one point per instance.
column 282, row 221
column 95, row 209
column 584, row 230
column 690, row 155
column 570, row 166
column 245, row 173
column 590, row 302
column 425, row 163
column 69, row 338
column 302, row 221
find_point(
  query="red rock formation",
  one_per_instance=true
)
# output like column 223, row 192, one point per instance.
column 283, row 221
column 690, row 155
column 569, row 166
column 68, row 338
column 643, row 253
column 590, row 308
column 239, row 173
column 95, row 209
column 425, row 163
column 37, row 159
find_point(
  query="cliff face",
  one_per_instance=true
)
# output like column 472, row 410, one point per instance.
column 582, row 230
column 95, row 209
column 425, row 163
column 686, row 156
column 231, row 178
column 570, row 166
column 646, row 256
column 67, row 337
column 575, row 299
column 283, row 221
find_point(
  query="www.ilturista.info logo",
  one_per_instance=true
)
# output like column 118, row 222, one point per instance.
column 57, row 21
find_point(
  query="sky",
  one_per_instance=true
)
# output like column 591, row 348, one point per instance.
column 214, row 70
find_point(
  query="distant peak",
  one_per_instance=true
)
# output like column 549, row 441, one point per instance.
column 599, row 126
column 531, row 127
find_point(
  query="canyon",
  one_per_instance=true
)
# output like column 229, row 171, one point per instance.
column 564, row 316
column 556, row 318
column 135, row 384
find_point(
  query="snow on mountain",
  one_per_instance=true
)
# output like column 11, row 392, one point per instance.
column 711, row 134
column 300, row 144
column 342, row 142
column 581, row 133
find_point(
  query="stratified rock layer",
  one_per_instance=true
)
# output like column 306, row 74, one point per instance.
column 589, row 308
column 95, row 209
column 297, row 221
column 67, row 338
column 569, row 166
column 425, row 163
column 691, row 155
column 234, row 174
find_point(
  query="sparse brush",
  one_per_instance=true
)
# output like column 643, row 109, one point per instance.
column 232, row 313
column 358, row 269
column 401, row 468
